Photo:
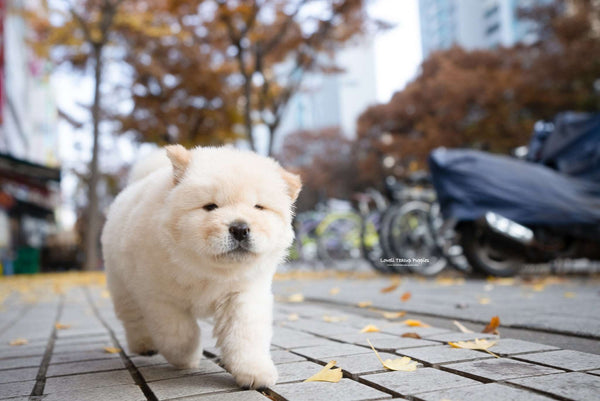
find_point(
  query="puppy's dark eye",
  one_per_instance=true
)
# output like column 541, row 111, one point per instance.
column 210, row 207
column 259, row 207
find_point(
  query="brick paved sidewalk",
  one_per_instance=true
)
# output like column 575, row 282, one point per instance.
column 67, row 330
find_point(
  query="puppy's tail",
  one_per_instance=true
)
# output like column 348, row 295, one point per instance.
column 156, row 160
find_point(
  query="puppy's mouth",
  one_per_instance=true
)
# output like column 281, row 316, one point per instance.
column 238, row 252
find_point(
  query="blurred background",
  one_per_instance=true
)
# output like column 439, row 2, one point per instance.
column 354, row 95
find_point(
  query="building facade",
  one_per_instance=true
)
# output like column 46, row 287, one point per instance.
column 473, row 24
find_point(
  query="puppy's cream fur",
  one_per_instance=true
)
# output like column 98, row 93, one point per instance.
column 170, row 261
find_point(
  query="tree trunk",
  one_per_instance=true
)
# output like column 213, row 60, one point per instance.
column 92, row 230
column 248, row 110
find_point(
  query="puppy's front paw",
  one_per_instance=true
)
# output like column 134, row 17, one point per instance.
column 255, row 374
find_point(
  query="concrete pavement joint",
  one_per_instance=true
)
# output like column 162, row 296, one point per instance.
column 40, row 381
column 133, row 371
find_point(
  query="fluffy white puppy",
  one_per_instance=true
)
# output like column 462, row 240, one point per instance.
column 199, row 233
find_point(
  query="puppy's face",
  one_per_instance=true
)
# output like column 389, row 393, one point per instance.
column 230, row 207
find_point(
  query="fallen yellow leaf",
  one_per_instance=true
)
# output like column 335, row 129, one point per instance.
column 112, row 350
column 404, row 364
column 411, row 335
column 18, row 341
column 538, row 287
column 395, row 284
column 461, row 327
column 492, row 327
column 393, row 315
column 292, row 317
column 296, row 298
column 61, row 326
column 105, row 294
column 370, row 328
column 484, row 301
column 406, row 296
column 364, row 304
column 478, row 344
column 570, row 295
column 327, row 374
column 334, row 319
column 334, row 291
column 415, row 323
column 506, row 281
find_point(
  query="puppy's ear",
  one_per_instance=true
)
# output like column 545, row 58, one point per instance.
column 293, row 182
column 180, row 158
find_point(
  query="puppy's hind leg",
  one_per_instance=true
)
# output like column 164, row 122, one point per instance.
column 175, row 333
column 139, row 339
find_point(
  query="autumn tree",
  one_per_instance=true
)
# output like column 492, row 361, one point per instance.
column 325, row 161
column 238, row 62
column 491, row 99
column 78, row 33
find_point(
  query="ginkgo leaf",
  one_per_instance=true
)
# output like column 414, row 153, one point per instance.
column 364, row 304
column 327, row 374
column 484, row 300
column 334, row 319
column 370, row 328
column 292, row 317
column 112, row 350
column 569, row 294
column 105, row 294
column 411, row 335
column 478, row 344
column 461, row 327
column 296, row 298
column 18, row 341
column 405, row 363
column 406, row 296
column 334, row 291
column 492, row 327
column 415, row 323
column 61, row 326
column 395, row 284
column 393, row 315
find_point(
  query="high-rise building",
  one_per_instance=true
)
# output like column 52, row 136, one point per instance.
column 334, row 100
column 473, row 24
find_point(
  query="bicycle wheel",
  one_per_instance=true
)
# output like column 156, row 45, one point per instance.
column 339, row 237
column 371, row 242
column 413, row 236
column 385, row 240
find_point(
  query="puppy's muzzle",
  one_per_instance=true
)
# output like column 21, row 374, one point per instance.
column 239, row 230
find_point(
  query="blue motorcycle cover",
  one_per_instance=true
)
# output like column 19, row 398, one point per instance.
column 470, row 183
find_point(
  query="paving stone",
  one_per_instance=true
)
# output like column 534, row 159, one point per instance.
column 446, row 337
column 167, row 371
column 249, row 395
column 156, row 359
column 22, row 351
column 82, row 347
column 443, row 354
column 15, row 363
column 285, row 357
column 418, row 381
column 564, row 359
column 290, row 339
column 99, row 365
column 510, row 346
column 82, row 356
column 356, row 365
column 88, row 380
column 344, row 390
column 193, row 385
column 487, row 392
column 297, row 371
column 400, row 328
column 331, row 349
column 573, row 386
column 18, row 375
column 125, row 392
column 500, row 369
column 321, row 328
column 16, row 389
column 385, row 342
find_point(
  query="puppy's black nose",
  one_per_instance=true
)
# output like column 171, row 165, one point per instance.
column 239, row 230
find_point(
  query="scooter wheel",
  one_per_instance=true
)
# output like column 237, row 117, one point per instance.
column 485, row 256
